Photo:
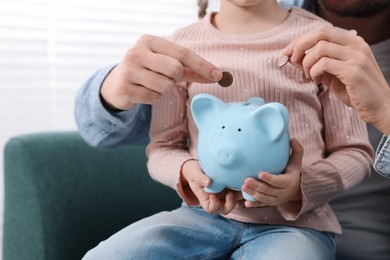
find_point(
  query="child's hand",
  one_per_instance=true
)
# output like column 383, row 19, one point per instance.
column 275, row 190
column 222, row 202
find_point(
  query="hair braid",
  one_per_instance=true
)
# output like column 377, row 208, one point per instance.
column 202, row 4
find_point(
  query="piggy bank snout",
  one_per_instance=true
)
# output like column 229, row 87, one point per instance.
column 225, row 155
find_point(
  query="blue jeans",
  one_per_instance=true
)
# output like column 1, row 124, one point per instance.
column 382, row 157
column 191, row 233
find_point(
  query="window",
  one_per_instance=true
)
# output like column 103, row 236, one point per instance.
column 48, row 48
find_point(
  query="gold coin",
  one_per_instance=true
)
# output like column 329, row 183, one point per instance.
column 227, row 79
column 282, row 61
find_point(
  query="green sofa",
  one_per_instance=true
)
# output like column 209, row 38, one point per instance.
column 62, row 197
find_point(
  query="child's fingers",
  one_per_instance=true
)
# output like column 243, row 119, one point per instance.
column 296, row 153
column 261, row 199
column 254, row 204
column 259, row 186
column 229, row 203
column 194, row 173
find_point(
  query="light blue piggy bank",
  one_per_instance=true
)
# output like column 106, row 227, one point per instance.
column 239, row 140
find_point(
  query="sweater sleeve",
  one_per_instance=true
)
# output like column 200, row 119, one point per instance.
column 347, row 159
column 168, row 147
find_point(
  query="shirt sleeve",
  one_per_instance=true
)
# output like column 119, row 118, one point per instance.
column 382, row 157
column 105, row 129
column 348, row 156
column 168, row 148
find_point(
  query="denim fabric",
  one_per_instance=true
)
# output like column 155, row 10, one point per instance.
column 99, row 127
column 289, row 3
column 382, row 157
column 191, row 233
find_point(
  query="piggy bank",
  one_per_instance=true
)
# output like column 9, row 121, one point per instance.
column 239, row 140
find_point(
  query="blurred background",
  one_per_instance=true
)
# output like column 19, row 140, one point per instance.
column 49, row 48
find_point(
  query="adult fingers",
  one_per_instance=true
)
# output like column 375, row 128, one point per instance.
column 164, row 65
column 330, row 66
column 324, row 49
column 153, row 81
column 332, row 73
column 187, row 57
column 140, row 95
column 172, row 69
column 298, row 48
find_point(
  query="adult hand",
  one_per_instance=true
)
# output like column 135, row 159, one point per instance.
column 276, row 190
column 223, row 202
column 344, row 62
column 153, row 66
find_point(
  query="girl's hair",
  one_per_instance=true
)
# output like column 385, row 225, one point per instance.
column 202, row 4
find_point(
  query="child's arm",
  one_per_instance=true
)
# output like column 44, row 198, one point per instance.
column 347, row 158
column 349, row 155
column 168, row 149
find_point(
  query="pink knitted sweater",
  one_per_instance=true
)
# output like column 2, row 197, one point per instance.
column 337, row 153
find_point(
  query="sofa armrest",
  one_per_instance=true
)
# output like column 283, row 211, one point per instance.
column 62, row 196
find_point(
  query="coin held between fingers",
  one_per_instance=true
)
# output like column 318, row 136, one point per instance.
column 227, row 79
column 282, row 60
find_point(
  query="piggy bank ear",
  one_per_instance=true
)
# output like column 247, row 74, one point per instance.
column 206, row 108
column 272, row 118
column 256, row 100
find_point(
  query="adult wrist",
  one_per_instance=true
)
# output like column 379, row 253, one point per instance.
column 385, row 128
column 109, row 107
column 384, row 123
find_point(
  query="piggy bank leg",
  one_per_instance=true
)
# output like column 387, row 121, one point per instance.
column 248, row 197
column 214, row 188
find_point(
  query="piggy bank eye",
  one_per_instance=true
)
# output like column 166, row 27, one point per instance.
column 223, row 127
column 239, row 129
